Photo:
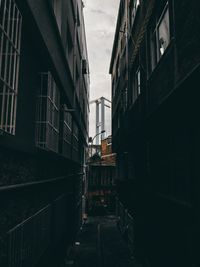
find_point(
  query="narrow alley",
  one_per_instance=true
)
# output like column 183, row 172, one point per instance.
column 99, row 133
column 99, row 243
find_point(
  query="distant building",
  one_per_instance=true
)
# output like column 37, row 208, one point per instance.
column 155, row 68
column 107, row 157
column 44, row 91
column 106, row 146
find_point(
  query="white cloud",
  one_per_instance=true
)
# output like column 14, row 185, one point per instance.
column 100, row 23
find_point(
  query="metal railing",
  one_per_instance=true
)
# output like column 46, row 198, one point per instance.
column 33, row 185
column 28, row 241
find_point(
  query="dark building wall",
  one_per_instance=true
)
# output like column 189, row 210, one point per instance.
column 43, row 51
column 48, row 55
column 154, row 132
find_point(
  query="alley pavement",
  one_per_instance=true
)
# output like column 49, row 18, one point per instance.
column 100, row 244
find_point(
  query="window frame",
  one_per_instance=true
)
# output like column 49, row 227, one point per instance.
column 10, row 44
column 138, row 81
column 75, row 136
column 48, row 113
column 134, row 6
column 67, row 125
column 155, row 54
column 69, row 47
column 135, row 84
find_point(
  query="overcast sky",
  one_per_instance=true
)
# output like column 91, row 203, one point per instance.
column 100, row 22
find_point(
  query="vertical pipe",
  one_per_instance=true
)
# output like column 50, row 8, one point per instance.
column 97, row 122
column 103, row 115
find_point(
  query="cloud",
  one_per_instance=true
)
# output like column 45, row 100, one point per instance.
column 100, row 22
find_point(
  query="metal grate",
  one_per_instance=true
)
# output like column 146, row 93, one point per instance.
column 10, row 40
column 48, row 105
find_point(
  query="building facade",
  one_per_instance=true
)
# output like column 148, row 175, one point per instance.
column 44, row 92
column 155, row 69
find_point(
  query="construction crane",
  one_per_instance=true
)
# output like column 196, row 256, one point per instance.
column 100, row 101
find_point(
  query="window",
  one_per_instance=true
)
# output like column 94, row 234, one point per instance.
column 84, row 66
column 113, row 86
column 125, row 95
column 67, row 132
column 163, row 32
column 78, row 18
column 135, row 4
column 138, row 82
column 10, row 39
column 57, row 7
column 160, row 37
column 117, row 68
column 77, row 81
column 47, row 121
column 67, row 129
column 69, row 46
column 109, row 140
column 75, row 137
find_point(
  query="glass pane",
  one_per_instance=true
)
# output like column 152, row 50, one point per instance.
column 164, row 33
column 138, row 82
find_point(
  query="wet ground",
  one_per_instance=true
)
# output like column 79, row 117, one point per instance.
column 100, row 244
